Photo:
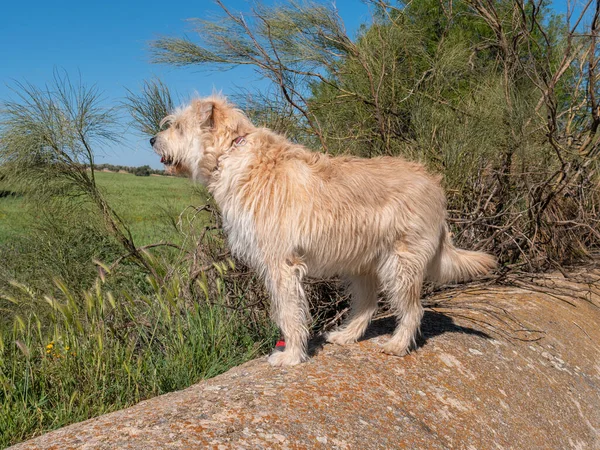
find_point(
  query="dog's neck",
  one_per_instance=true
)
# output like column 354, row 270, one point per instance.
column 238, row 142
column 221, row 145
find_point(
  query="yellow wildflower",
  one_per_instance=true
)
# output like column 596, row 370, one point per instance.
column 50, row 345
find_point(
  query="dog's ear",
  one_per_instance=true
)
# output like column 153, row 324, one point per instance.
column 220, row 115
column 204, row 111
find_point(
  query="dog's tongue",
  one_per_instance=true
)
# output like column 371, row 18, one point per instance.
column 162, row 159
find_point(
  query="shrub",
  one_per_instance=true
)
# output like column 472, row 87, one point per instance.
column 142, row 171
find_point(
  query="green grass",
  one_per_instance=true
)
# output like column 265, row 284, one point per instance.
column 111, row 351
column 149, row 205
column 72, row 348
column 12, row 218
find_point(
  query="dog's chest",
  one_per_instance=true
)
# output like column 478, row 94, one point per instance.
column 238, row 222
column 241, row 237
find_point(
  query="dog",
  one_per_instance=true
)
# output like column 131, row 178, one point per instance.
column 290, row 213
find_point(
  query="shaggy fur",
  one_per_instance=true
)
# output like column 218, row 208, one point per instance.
column 290, row 213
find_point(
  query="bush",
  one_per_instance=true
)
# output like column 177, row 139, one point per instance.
column 142, row 171
column 500, row 97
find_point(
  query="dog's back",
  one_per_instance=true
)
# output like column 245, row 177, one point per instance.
column 339, row 213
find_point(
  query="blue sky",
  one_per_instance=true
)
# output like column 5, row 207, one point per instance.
column 107, row 44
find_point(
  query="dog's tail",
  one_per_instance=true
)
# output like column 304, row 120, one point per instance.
column 454, row 264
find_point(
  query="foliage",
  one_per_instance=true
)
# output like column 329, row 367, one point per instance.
column 38, row 244
column 110, row 350
column 46, row 148
column 48, row 134
column 117, row 332
column 95, row 317
column 142, row 171
column 119, row 168
column 501, row 97
column 150, row 106
column 59, row 246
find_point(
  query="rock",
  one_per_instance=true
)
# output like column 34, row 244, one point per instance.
column 496, row 369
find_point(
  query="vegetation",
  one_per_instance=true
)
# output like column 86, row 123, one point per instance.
column 113, row 288
column 140, row 171
column 151, row 207
column 97, row 353
column 501, row 97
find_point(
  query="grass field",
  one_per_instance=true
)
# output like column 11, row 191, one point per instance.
column 12, row 218
column 149, row 205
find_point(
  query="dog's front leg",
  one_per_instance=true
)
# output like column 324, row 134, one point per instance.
column 290, row 311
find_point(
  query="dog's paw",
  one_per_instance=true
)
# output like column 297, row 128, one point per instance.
column 285, row 358
column 340, row 337
column 392, row 348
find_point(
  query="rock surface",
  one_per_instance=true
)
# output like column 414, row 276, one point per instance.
column 502, row 368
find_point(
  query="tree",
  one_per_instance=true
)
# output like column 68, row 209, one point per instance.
column 142, row 171
column 47, row 140
column 500, row 96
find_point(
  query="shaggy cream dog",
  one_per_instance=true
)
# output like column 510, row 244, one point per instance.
column 291, row 213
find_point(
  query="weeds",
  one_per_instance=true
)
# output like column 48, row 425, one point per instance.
column 106, row 351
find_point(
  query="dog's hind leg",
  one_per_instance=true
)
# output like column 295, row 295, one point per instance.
column 290, row 311
column 363, row 295
column 402, row 275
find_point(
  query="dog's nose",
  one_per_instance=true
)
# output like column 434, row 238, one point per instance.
column 152, row 140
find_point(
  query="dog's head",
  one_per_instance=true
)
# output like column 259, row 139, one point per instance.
column 198, row 134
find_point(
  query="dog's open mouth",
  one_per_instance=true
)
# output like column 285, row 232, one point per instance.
column 166, row 160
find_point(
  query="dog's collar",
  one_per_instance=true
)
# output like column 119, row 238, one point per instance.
column 240, row 140
column 237, row 142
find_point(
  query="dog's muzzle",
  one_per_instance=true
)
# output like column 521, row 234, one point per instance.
column 166, row 160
